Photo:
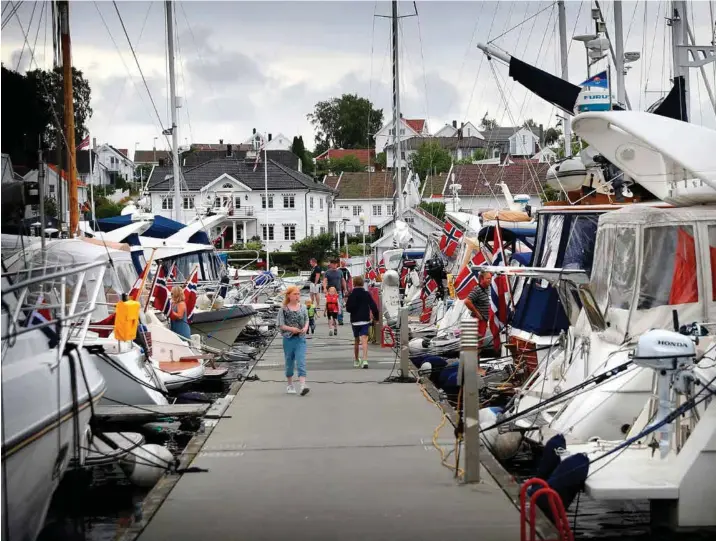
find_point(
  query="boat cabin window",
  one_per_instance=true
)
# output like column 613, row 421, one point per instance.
column 579, row 253
column 712, row 258
column 614, row 269
column 669, row 274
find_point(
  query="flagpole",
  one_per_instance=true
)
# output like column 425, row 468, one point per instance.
column 154, row 283
column 144, row 278
column 268, row 267
column 609, row 82
column 94, row 218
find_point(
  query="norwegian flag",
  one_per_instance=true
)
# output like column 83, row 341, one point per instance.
column 190, row 293
column 499, row 293
column 429, row 287
column 381, row 267
column 135, row 292
column 450, row 239
column 173, row 273
column 39, row 315
column 161, row 291
column 84, row 144
column 370, row 271
column 404, row 272
column 467, row 278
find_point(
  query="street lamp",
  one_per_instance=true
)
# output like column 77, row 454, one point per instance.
column 363, row 219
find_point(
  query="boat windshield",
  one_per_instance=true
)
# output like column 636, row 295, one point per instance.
column 614, row 269
column 207, row 262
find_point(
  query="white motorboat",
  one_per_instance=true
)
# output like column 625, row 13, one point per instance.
column 47, row 390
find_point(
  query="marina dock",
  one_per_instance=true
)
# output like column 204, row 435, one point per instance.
column 352, row 460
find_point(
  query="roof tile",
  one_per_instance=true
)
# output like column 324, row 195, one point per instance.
column 363, row 185
column 482, row 179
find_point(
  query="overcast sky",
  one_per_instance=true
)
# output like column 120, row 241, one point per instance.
column 263, row 65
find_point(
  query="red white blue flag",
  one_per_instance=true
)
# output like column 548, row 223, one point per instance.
column 370, row 271
column 500, row 292
column 467, row 278
column 190, row 292
column 450, row 240
column 161, row 292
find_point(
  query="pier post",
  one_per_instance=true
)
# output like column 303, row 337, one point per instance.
column 471, row 383
column 404, row 342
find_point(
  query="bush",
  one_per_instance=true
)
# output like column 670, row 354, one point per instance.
column 320, row 247
column 107, row 209
column 284, row 260
column 437, row 209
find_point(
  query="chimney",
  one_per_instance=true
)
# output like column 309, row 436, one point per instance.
column 229, row 151
column 401, row 115
column 221, row 141
column 454, row 124
column 254, row 131
column 504, row 158
column 541, row 136
column 161, row 162
column 94, row 142
column 459, row 132
column 269, row 137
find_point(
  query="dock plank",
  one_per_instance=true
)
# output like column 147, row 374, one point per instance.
column 352, row 460
column 139, row 413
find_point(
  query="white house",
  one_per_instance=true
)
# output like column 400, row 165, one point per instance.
column 52, row 186
column 417, row 127
column 115, row 162
column 515, row 141
column 420, row 222
column 451, row 130
column 479, row 184
column 459, row 148
column 272, row 142
column 296, row 207
column 8, row 173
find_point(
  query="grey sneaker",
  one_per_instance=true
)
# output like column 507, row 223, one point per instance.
column 290, row 389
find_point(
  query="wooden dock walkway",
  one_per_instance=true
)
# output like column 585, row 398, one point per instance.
column 352, row 460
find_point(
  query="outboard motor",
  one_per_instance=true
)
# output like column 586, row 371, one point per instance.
column 435, row 269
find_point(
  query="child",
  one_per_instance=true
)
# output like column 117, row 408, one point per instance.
column 332, row 309
column 293, row 323
column 311, row 316
column 361, row 306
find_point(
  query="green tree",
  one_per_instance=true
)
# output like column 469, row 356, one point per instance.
column 551, row 194
column 141, row 173
column 319, row 246
column 346, row 122
column 381, row 161
column 479, row 154
column 299, row 149
column 106, row 208
column 50, row 206
column 436, row 209
column 430, row 159
column 49, row 86
column 488, row 123
column 346, row 163
column 551, row 136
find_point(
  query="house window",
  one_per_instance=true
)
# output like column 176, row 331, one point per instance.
column 237, row 202
column 289, row 232
column 344, row 207
column 270, row 201
column 52, row 188
column 289, row 202
column 377, row 210
column 358, row 230
column 270, row 232
column 188, row 202
column 357, row 209
column 468, row 132
column 524, row 139
column 312, row 231
column 311, row 203
column 390, row 131
column 323, row 229
column 402, row 131
column 402, row 154
column 227, row 186
column 167, row 203
column 389, row 209
column 320, row 203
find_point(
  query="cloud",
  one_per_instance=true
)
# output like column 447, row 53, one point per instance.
column 227, row 67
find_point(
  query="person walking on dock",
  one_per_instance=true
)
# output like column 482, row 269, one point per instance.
column 314, row 282
column 293, row 323
column 311, row 316
column 334, row 278
column 177, row 314
column 361, row 307
column 332, row 308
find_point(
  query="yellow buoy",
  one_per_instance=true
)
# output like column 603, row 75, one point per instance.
column 126, row 320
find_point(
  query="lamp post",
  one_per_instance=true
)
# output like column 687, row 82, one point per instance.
column 362, row 218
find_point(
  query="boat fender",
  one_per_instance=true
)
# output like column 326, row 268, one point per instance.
column 126, row 320
column 567, row 481
column 550, row 458
column 145, row 465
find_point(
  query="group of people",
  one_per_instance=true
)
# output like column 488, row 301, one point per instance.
column 296, row 320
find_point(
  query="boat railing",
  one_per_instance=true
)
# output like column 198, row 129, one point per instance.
column 55, row 296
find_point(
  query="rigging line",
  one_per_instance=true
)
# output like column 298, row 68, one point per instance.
column 370, row 91
column 29, row 27
column 14, row 9
column 139, row 67
column 183, row 80
column 651, row 53
column 126, row 67
column 124, row 84
column 523, row 22
column 469, row 48
column 633, row 16
column 642, row 63
column 201, row 57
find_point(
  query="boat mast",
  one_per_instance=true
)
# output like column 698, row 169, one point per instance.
column 619, row 52
column 397, row 162
column 564, row 55
column 69, row 115
column 173, row 105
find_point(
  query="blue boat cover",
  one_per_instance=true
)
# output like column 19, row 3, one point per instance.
column 162, row 228
column 523, row 258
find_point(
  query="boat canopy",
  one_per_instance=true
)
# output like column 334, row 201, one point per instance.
column 649, row 262
column 564, row 239
column 657, row 152
column 162, row 228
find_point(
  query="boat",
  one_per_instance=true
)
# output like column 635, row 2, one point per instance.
column 48, row 388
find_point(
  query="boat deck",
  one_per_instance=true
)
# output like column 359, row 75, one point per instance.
column 352, row 460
